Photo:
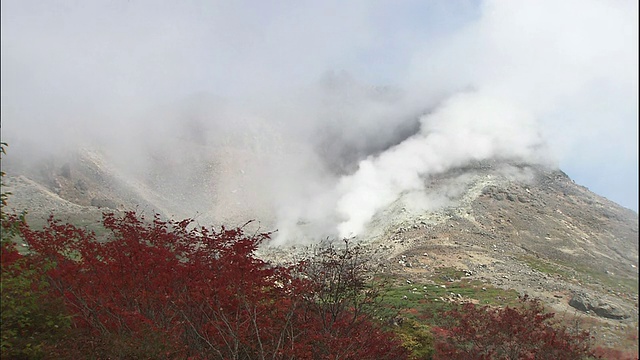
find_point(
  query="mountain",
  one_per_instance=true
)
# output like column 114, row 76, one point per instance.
column 530, row 229
column 509, row 225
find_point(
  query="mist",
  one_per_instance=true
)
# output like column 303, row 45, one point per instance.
column 318, row 115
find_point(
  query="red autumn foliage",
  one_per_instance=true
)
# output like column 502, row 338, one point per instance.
column 527, row 332
column 164, row 289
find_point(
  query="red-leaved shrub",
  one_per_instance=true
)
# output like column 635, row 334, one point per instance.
column 165, row 289
column 527, row 332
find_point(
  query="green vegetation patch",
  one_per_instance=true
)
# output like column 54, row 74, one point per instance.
column 416, row 338
column 427, row 300
column 546, row 267
column 617, row 283
column 444, row 275
column 90, row 221
column 584, row 274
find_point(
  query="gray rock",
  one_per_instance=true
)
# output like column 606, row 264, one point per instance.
column 580, row 301
column 609, row 311
column 81, row 185
column 65, row 171
column 103, row 203
column 600, row 307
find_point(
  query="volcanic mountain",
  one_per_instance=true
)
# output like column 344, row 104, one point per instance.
column 510, row 225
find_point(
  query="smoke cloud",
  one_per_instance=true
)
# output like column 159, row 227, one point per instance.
column 467, row 127
column 314, row 117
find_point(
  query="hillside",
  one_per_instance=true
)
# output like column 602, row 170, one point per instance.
column 540, row 234
column 512, row 226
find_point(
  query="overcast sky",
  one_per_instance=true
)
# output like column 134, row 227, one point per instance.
column 569, row 67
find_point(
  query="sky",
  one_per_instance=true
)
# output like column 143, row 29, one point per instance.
column 368, row 97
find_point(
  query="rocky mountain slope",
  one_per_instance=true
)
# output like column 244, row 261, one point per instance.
column 530, row 229
column 514, row 226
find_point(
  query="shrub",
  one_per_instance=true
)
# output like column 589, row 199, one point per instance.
column 417, row 338
column 343, row 302
column 28, row 320
column 526, row 332
column 166, row 289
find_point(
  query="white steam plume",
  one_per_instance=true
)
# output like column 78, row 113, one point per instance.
column 469, row 126
column 535, row 66
column 314, row 113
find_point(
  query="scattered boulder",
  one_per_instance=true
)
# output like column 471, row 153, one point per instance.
column 103, row 203
column 81, row 185
column 580, row 301
column 609, row 311
column 65, row 171
column 600, row 307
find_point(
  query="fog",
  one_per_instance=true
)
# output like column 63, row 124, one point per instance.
column 323, row 113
